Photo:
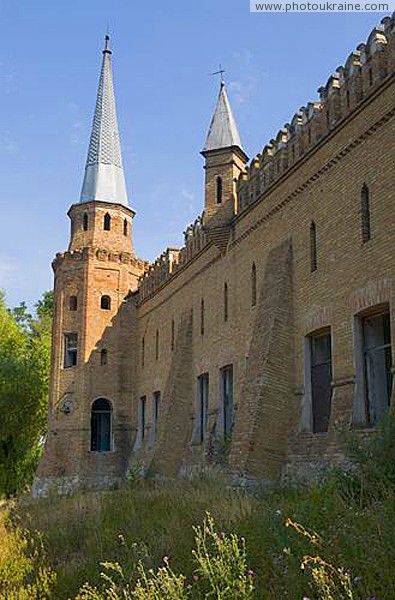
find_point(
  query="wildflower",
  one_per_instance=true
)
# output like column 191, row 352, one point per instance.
column 250, row 573
column 357, row 578
column 166, row 560
column 195, row 578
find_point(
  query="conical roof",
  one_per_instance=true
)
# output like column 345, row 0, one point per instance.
column 104, row 179
column 223, row 132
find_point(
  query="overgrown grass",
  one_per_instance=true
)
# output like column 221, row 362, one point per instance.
column 349, row 544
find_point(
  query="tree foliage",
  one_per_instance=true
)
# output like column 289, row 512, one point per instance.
column 25, row 345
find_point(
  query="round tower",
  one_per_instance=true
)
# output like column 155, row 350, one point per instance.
column 89, row 437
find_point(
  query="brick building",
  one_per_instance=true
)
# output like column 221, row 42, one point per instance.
column 269, row 332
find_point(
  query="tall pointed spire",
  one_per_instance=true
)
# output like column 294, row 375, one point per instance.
column 223, row 132
column 104, row 178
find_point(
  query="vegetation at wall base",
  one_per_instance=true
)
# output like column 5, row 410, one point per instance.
column 152, row 539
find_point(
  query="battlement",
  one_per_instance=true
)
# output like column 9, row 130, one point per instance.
column 100, row 254
column 173, row 259
column 365, row 69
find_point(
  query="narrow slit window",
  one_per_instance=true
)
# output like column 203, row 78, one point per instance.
column 103, row 357
column 157, row 345
column 365, row 214
column 202, row 406
column 313, row 247
column 202, row 317
column 142, row 352
column 85, row 222
column 226, row 300
column 73, row 303
column 172, row 335
column 141, row 417
column 218, row 183
column 107, row 222
column 105, row 303
column 125, row 227
column 227, row 399
column 253, row 284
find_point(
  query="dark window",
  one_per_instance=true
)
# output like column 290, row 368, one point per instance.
column 226, row 307
column 142, row 352
column 202, row 317
column 321, row 377
column 155, row 418
column 377, row 365
column 105, row 303
column 73, row 303
column 141, row 417
column 172, row 335
column 70, row 349
column 101, row 416
column 202, row 405
column 227, row 399
column 365, row 214
column 313, row 247
column 157, row 345
column 218, row 189
column 125, row 227
column 253, row 284
column 103, row 357
column 85, row 222
column 107, row 222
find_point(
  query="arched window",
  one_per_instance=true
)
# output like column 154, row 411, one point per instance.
column 313, row 247
column 125, row 227
column 105, row 303
column 103, row 357
column 172, row 334
column 107, row 222
column 253, row 284
column 101, row 417
column 218, row 189
column 365, row 213
column 226, row 308
column 85, row 222
column 157, row 345
column 73, row 303
column 202, row 317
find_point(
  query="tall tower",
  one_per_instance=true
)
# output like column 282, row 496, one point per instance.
column 224, row 161
column 89, row 437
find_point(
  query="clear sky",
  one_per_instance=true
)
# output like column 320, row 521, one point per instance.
column 163, row 52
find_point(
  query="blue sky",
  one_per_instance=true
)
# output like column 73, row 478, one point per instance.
column 163, row 52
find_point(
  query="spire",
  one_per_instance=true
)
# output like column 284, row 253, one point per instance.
column 223, row 131
column 104, row 177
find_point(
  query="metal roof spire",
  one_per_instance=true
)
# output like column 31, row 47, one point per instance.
column 223, row 132
column 104, row 179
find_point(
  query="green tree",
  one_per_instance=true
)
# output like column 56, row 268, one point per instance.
column 25, row 345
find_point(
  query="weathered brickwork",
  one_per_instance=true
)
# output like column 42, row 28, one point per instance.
column 193, row 311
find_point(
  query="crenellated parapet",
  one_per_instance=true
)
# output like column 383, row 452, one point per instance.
column 172, row 259
column 365, row 69
column 102, row 255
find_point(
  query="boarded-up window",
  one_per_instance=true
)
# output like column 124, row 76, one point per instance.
column 321, row 378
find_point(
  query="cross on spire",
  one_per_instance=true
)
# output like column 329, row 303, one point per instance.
column 220, row 72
